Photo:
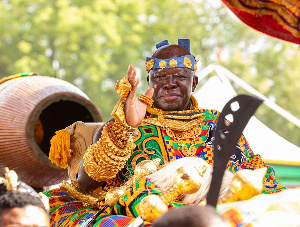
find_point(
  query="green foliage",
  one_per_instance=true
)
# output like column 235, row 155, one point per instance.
column 91, row 43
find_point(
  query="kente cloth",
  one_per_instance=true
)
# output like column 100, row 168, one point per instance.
column 66, row 211
column 277, row 18
column 154, row 142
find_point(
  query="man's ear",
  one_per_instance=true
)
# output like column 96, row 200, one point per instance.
column 195, row 83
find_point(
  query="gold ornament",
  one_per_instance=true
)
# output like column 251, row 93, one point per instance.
column 179, row 136
column 145, row 99
column 142, row 169
column 152, row 207
column 162, row 64
column 119, row 115
column 193, row 108
column 113, row 195
column 187, row 62
column 177, row 125
column 77, row 194
column 123, row 88
column 149, row 64
column 11, row 182
column 173, row 63
column 187, row 180
column 245, row 184
column 103, row 160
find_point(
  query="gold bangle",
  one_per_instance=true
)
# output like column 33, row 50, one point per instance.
column 145, row 99
column 104, row 159
column 118, row 134
column 123, row 88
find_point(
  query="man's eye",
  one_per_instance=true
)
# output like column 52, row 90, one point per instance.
column 180, row 76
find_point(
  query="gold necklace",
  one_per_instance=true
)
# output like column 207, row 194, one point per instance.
column 185, row 113
column 178, row 136
column 179, row 125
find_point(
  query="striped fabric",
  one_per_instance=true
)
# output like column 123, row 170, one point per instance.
column 277, row 18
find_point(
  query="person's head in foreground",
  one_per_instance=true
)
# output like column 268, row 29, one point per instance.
column 22, row 209
column 20, row 205
column 171, row 73
column 191, row 216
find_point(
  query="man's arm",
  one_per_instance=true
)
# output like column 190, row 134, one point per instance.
column 134, row 111
column 86, row 183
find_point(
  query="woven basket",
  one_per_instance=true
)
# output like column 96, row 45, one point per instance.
column 32, row 108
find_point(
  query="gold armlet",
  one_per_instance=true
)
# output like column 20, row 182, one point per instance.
column 145, row 99
column 103, row 160
column 123, row 88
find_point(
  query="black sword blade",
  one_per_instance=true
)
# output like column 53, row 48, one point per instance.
column 226, row 138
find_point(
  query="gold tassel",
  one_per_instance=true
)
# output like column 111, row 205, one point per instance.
column 60, row 148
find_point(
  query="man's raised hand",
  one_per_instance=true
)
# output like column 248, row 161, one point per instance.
column 135, row 110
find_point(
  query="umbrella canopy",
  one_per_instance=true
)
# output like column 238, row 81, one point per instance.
column 277, row 18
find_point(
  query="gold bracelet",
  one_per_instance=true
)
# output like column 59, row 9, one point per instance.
column 118, row 134
column 104, row 159
column 145, row 99
column 123, row 88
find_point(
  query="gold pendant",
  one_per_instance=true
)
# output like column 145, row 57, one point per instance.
column 185, row 151
column 198, row 131
column 170, row 133
column 192, row 150
column 189, row 152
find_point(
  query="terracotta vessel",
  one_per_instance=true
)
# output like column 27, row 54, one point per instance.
column 32, row 108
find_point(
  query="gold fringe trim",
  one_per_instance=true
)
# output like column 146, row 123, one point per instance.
column 60, row 148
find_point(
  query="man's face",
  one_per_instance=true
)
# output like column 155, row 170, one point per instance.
column 24, row 216
column 172, row 87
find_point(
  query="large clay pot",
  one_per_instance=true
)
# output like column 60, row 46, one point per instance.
column 32, row 108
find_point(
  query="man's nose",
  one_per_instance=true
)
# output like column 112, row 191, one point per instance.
column 170, row 82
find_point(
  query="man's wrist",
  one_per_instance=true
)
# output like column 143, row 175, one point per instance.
column 109, row 155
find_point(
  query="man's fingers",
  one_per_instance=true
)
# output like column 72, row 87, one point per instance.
column 131, row 73
column 136, row 83
column 130, row 67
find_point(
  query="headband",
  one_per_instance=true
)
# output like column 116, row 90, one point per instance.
column 186, row 61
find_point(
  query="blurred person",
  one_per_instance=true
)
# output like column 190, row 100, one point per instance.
column 21, row 205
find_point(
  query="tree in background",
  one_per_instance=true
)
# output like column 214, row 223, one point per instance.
column 91, row 43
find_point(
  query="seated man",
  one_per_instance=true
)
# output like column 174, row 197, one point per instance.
column 164, row 124
column 20, row 205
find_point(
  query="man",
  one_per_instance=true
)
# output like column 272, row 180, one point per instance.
column 165, row 124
